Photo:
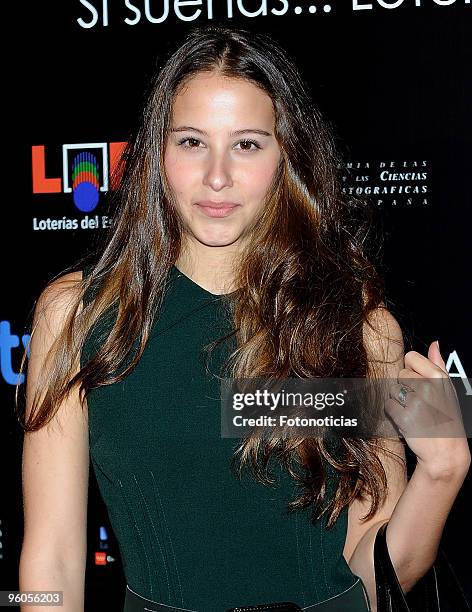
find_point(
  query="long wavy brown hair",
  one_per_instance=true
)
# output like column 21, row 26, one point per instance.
column 306, row 284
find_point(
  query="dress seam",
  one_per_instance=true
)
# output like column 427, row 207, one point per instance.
column 157, row 537
column 140, row 537
column 334, row 596
column 159, row 604
column 156, row 490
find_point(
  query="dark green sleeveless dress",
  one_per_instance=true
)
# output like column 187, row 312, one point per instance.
column 191, row 535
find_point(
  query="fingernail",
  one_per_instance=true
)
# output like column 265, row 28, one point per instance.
column 437, row 342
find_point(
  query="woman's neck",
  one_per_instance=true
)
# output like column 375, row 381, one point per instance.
column 210, row 267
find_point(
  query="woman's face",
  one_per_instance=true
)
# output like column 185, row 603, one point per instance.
column 207, row 162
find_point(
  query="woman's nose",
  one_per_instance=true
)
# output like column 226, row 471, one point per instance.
column 218, row 172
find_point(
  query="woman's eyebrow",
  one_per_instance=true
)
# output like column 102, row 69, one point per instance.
column 188, row 128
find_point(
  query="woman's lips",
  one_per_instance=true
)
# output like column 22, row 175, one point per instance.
column 217, row 211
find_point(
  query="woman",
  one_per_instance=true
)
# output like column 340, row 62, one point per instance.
column 233, row 254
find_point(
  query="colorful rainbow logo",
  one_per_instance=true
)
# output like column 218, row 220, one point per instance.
column 85, row 181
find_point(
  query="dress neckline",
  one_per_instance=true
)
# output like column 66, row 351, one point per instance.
column 201, row 289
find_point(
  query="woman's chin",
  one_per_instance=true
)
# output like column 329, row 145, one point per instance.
column 217, row 239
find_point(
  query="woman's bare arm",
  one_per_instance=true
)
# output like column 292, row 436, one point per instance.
column 55, row 472
column 416, row 509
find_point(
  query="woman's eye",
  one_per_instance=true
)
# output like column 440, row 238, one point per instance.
column 247, row 144
column 181, row 142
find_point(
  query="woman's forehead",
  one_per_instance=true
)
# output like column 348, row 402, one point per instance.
column 217, row 100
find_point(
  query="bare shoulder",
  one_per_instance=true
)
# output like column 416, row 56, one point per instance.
column 56, row 304
column 384, row 344
column 383, row 340
column 59, row 291
column 55, row 300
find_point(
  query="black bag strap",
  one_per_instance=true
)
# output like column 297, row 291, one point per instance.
column 439, row 590
column 390, row 597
